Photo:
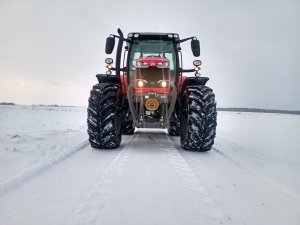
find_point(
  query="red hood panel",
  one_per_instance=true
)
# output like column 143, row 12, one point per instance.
column 152, row 61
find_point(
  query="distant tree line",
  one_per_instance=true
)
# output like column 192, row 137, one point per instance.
column 259, row 110
column 7, row 103
column 230, row 109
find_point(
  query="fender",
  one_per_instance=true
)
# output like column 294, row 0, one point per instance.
column 104, row 78
column 186, row 81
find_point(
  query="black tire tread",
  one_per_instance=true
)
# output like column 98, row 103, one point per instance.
column 128, row 128
column 174, row 125
column 104, row 121
column 199, row 118
column 127, row 123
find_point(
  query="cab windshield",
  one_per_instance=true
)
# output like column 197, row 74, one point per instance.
column 152, row 48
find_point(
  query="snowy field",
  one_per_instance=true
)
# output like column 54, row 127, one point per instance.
column 50, row 175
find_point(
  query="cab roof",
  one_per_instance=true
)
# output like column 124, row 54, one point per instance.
column 152, row 36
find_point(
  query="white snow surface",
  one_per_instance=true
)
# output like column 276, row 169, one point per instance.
column 50, row 175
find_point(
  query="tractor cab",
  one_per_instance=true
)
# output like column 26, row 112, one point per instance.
column 152, row 64
column 152, row 61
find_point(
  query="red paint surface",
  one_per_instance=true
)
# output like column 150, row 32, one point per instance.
column 152, row 61
column 123, row 78
column 180, row 82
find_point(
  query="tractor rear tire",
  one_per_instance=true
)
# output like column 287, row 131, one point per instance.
column 199, row 118
column 174, row 125
column 104, row 117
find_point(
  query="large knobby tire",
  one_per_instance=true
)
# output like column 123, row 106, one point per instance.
column 127, row 124
column 127, row 120
column 128, row 128
column 199, row 118
column 174, row 125
column 104, row 116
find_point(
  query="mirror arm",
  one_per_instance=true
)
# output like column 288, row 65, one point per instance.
column 185, row 39
column 119, row 52
column 124, row 39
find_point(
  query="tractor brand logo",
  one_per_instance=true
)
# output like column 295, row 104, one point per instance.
column 152, row 63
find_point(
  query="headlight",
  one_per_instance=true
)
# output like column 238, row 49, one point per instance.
column 163, row 83
column 109, row 66
column 163, row 65
column 140, row 83
column 109, row 60
column 197, row 69
column 197, row 62
column 141, row 64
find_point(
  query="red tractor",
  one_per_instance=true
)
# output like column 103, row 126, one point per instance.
column 149, row 90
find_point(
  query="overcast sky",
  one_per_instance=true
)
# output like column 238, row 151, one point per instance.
column 51, row 50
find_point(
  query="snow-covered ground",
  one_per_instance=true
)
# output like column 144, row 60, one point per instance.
column 50, row 175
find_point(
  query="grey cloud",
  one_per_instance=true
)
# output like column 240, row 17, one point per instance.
column 250, row 49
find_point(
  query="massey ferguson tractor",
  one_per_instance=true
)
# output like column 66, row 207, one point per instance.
column 148, row 89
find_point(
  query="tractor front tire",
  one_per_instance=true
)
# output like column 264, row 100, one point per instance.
column 174, row 125
column 127, row 123
column 104, row 116
column 128, row 128
column 199, row 118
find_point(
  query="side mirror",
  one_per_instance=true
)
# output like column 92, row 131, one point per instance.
column 195, row 45
column 110, row 44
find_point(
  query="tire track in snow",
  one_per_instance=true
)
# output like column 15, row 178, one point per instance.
column 244, row 216
column 250, row 169
column 89, row 212
column 222, row 207
column 241, row 216
column 31, row 173
column 206, row 206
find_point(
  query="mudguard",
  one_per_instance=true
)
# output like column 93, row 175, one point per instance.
column 104, row 78
column 187, row 81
